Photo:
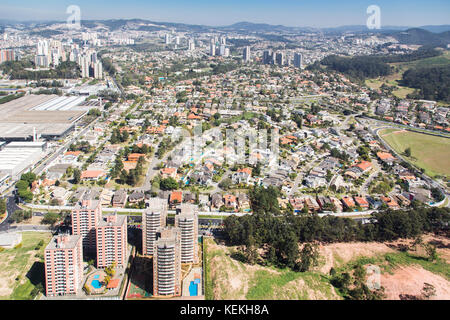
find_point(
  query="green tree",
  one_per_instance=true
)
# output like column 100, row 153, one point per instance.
column 76, row 176
column 168, row 184
column 2, row 205
column 407, row 152
column 309, row 256
column 50, row 218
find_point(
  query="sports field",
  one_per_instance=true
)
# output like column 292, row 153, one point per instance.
column 428, row 152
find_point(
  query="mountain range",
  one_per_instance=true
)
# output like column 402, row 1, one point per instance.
column 434, row 35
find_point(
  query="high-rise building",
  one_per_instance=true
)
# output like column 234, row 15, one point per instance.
column 55, row 57
column 42, row 48
column 85, row 218
column 298, row 60
column 212, row 49
column 222, row 49
column 84, row 62
column 98, row 70
column 112, row 241
column 167, row 263
column 186, row 220
column 268, row 57
column 191, row 45
column 280, row 58
column 64, row 265
column 153, row 218
column 168, row 38
column 246, row 54
column 42, row 61
column 7, row 55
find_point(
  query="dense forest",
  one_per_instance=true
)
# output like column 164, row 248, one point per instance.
column 16, row 70
column 362, row 67
column 358, row 67
column 432, row 83
column 279, row 233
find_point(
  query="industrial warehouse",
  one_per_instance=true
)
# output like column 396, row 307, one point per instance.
column 16, row 157
column 50, row 117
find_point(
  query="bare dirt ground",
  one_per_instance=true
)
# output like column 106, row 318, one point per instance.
column 337, row 254
column 234, row 279
column 410, row 280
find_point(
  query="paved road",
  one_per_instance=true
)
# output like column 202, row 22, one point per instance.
column 376, row 169
column 11, row 206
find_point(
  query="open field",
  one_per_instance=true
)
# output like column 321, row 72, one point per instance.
column 229, row 278
column 438, row 61
column 428, row 152
column 402, row 272
column 21, row 269
column 400, row 67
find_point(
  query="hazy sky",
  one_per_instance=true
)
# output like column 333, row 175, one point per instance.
column 314, row 13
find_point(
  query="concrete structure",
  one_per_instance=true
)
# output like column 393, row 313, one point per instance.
column 9, row 240
column 112, row 237
column 7, row 55
column 86, row 216
column 64, row 265
column 50, row 116
column 191, row 45
column 16, row 158
column 153, row 218
column 98, row 70
column 84, row 62
column 167, row 263
column 186, row 220
column 298, row 60
column 246, row 54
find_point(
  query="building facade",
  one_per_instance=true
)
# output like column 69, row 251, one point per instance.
column 153, row 218
column 186, row 220
column 111, row 234
column 167, row 263
column 64, row 265
column 86, row 216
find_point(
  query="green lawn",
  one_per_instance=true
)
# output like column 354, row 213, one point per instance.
column 20, row 269
column 428, row 152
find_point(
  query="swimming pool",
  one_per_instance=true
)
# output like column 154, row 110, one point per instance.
column 193, row 289
column 96, row 276
column 96, row 284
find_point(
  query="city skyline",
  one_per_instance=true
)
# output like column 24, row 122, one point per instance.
column 324, row 13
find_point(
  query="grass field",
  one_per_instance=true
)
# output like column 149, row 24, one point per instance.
column 21, row 269
column 428, row 152
column 394, row 79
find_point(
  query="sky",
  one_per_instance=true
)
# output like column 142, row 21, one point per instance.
column 299, row 13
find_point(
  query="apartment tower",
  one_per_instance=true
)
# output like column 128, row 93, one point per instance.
column 64, row 265
column 186, row 220
column 85, row 218
column 167, row 263
column 112, row 241
column 153, row 218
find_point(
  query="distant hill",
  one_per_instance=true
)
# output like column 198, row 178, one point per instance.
column 436, row 35
column 422, row 37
